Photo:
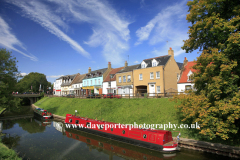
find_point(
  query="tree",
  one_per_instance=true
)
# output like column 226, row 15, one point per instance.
column 8, row 79
column 32, row 83
column 215, row 31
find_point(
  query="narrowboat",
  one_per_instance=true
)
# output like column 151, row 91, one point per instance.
column 160, row 140
column 42, row 113
column 112, row 147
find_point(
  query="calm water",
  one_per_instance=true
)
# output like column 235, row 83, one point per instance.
column 35, row 139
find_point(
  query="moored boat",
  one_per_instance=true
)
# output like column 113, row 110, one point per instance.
column 42, row 113
column 160, row 140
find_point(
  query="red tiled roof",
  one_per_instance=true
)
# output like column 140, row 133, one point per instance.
column 113, row 71
column 187, row 68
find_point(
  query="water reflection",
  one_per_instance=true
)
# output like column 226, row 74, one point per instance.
column 48, row 139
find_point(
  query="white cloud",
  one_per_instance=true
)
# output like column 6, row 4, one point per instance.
column 45, row 16
column 23, row 74
column 8, row 40
column 168, row 25
column 109, row 29
column 54, row 76
column 136, row 62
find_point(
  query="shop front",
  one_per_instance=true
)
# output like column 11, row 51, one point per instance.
column 88, row 90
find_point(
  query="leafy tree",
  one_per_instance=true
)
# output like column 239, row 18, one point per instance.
column 8, row 80
column 215, row 31
column 33, row 79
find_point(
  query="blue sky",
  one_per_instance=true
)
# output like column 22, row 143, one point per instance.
column 61, row 37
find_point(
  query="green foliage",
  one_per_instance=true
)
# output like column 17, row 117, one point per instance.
column 33, row 79
column 215, row 31
column 42, row 94
column 8, row 80
column 6, row 153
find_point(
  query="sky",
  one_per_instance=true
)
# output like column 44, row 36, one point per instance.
column 64, row 37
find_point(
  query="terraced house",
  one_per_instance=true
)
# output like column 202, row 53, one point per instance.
column 92, row 82
column 157, row 75
column 124, row 79
column 109, row 84
column 67, row 82
column 77, row 85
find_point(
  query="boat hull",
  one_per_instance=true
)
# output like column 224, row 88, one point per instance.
column 155, row 147
column 42, row 117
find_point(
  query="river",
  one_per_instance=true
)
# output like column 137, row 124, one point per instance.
column 36, row 139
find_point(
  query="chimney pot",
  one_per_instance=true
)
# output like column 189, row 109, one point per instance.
column 170, row 52
column 126, row 64
column 89, row 69
column 109, row 65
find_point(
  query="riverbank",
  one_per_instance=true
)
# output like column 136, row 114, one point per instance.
column 128, row 111
column 6, row 153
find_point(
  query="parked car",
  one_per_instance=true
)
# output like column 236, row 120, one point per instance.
column 71, row 96
column 94, row 95
column 111, row 95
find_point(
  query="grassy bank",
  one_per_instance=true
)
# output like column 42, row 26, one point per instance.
column 6, row 153
column 127, row 111
column 124, row 111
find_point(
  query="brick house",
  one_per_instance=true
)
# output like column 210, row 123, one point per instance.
column 157, row 75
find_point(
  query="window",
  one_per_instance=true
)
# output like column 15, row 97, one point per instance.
column 98, row 81
column 151, row 75
column 158, row 89
column 157, row 75
column 84, row 83
column 91, row 82
column 87, row 83
column 95, row 81
column 188, row 87
column 109, row 84
column 154, row 64
column 129, row 78
column 124, row 78
column 143, row 65
column 190, row 78
column 119, row 79
column 177, row 76
column 140, row 77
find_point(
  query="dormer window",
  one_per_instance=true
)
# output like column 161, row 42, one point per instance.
column 154, row 64
column 190, row 76
column 143, row 65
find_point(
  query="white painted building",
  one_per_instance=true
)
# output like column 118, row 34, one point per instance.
column 109, row 83
column 57, row 87
column 186, row 80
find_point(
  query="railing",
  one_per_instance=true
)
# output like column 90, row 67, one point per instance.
column 129, row 96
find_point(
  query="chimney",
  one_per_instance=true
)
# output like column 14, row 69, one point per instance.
column 170, row 52
column 126, row 64
column 185, row 62
column 89, row 69
column 109, row 65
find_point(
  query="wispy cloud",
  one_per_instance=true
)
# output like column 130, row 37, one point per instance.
column 142, row 3
column 8, row 40
column 168, row 25
column 45, row 16
column 110, row 30
column 136, row 62
column 54, row 76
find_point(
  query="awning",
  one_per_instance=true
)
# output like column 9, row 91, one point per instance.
column 89, row 87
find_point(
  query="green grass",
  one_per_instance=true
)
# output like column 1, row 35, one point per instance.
column 124, row 111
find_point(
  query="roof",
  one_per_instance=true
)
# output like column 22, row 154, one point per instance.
column 113, row 71
column 187, row 68
column 68, row 77
column 79, row 78
column 129, row 68
column 60, row 78
column 180, row 65
column 162, row 61
column 96, row 73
